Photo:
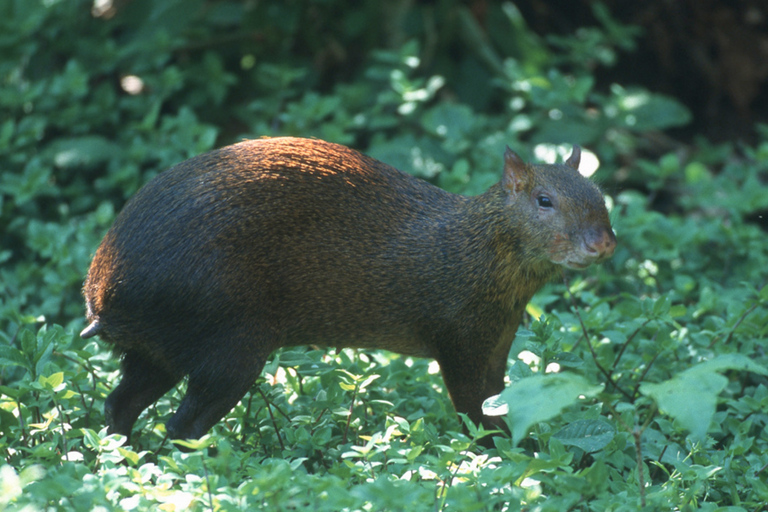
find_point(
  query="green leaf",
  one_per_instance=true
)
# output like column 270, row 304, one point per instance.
column 11, row 355
column 730, row 362
column 129, row 455
column 677, row 311
column 82, row 152
column 541, row 397
column 645, row 111
column 45, row 345
column 90, row 438
column 589, row 435
column 195, row 444
column 691, row 396
column 661, row 306
column 451, row 122
column 53, row 381
column 568, row 359
column 764, row 293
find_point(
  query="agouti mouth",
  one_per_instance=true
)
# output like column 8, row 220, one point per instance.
column 578, row 265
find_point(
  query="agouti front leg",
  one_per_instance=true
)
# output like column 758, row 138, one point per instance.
column 473, row 376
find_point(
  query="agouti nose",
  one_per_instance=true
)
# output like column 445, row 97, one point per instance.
column 601, row 243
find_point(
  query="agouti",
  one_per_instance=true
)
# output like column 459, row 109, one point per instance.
column 268, row 243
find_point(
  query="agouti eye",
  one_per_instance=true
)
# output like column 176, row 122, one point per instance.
column 544, row 202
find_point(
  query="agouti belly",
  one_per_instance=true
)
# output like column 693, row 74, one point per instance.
column 227, row 256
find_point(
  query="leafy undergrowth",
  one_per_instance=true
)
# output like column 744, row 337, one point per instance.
column 643, row 384
column 640, row 384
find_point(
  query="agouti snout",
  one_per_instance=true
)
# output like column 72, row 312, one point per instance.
column 227, row 256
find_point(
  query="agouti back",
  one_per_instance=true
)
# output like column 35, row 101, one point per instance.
column 268, row 243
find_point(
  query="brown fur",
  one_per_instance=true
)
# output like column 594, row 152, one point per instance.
column 275, row 242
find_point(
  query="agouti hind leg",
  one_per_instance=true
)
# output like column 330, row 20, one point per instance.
column 141, row 384
column 212, row 391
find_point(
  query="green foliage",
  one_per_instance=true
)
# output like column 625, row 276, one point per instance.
column 541, row 397
column 691, row 396
column 644, row 383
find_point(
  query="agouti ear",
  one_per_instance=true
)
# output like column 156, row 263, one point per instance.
column 575, row 158
column 516, row 174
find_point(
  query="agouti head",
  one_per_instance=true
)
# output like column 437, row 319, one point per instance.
column 558, row 212
column 268, row 243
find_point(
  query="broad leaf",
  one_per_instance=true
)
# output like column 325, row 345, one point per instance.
column 541, row 397
column 589, row 435
column 691, row 396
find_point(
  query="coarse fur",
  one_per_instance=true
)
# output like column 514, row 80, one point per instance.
column 227, row 256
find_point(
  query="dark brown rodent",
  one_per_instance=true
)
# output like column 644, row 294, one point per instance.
column 268, row 243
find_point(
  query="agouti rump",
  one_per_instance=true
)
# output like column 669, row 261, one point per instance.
column 222, row 259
